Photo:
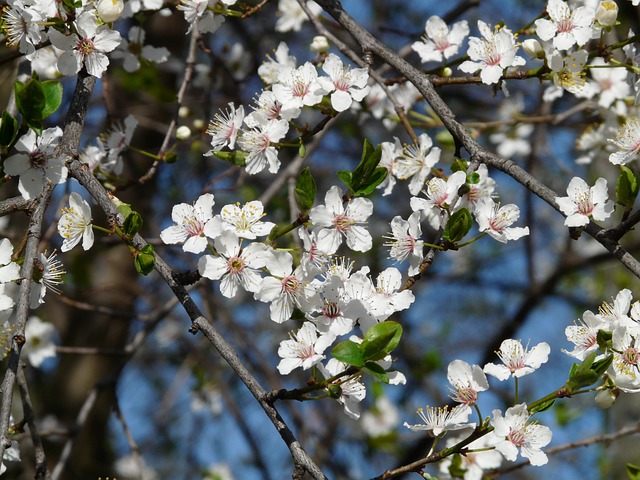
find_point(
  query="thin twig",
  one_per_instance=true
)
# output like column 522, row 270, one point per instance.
column 42, row 471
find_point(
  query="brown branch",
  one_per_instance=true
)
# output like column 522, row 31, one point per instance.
column 68, row 147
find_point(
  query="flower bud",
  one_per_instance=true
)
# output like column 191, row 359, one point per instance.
column 447, row 72
column 335, row 391
column 319, row 44
column 607, row 13
column 184, row 111
column 606, row 398
column 198, row 124
column 532, row 47
column 183, row 132
column 110, row 10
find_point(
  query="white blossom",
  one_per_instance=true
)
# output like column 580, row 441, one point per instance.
column 335, row 220
column 516, row 432
column 491, row 54
column 75, row 224
column 628, row 142
column 517, row 361
column 584, row 202
column 87, row 48
column 304, row 349
column 36, row 163
column 39, row 345
column 439, row 420
column 190, row 221
column 565, row 26
column 347, row 84
column 496, row 220
column 439, row 42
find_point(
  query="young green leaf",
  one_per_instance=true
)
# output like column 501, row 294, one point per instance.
column 8, row 129
column 132, row 224
column 348, row 352
column 145, row 260
column 380, row 340
column 52, row 90
column 305, row 190
column 458, row 225
column 376, row 371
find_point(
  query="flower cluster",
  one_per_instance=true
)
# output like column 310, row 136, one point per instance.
column 512, row 432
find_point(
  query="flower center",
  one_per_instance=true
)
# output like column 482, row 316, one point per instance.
column 342, row 223
column 38, row 159
column 565, row 25
column 235, row 265
column 290, row 285
column 517, row 437
column 584, row 203
column 85, row 46
column 331, row 310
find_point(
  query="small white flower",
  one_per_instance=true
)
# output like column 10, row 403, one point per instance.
column 584, row 335
column 496, row 220
column 35, row 163
column 606, row 13
column 48, row 273
column 286, row 289
column 491, row 54
column 75, row 224
column 478, row 459
column 439, row 42
column 467, row 381
column 628, row 142
column 516, row 432
column 348, row 85
column 11, row 454
column 198, row 12
column 610, row 84
column 405, row 241
column 517, row 360
column 583, row 202
column 271, row 70
column 23, row 28
column 39, row 345
column 565, row 27
column 245, row 222
column 336, row 220
column 9, row 270
column 292, row 16
column 299, row 87
column 190, row 221
column 132, row 50
column 439, row 420
column 416, row 162
column 625, row 368
column 381, row 419
column 224, row 128
column 235, row 266
column 304, row 349
column 257, row 142
column 89, row 47
column 569, row 73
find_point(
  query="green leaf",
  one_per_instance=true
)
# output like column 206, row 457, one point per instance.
column 236, row 157
column 459, row 165
column 380, row 340
column 348, row 352
column 473, row 178
column 626, row 187
column 543, row 406
column 30, row 99
column 458, row 225
column 633, row 471
column 145, row 260
column 125, row 209
column 375, row 179
column 376, row 371
column 132, row 224
column 305, row 190
column 604, row 339
column 370, row 159
column 8, row 129
column 345, row 176
column 52, row 90
column 456, row 470
column 602, row 365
